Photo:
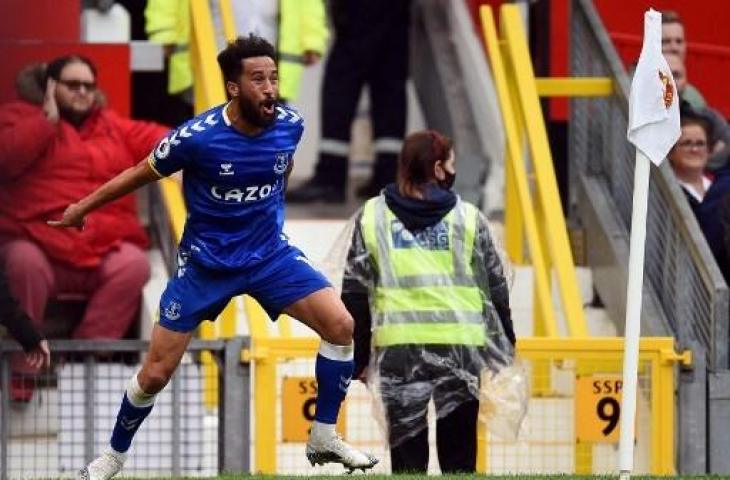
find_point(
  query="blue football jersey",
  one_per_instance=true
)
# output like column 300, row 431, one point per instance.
column 233, row 185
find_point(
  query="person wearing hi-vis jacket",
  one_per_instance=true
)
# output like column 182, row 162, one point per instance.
column 430, row 300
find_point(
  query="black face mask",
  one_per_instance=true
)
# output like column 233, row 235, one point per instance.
column 448, row 182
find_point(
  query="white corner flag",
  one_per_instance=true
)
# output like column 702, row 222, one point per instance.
column 654, row 101
column 653, row 129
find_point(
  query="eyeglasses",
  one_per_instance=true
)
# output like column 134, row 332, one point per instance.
column 77, row 85
column 689, row 144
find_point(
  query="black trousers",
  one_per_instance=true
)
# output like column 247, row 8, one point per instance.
column 370, row 48
column 408, row 381
column 456, row 443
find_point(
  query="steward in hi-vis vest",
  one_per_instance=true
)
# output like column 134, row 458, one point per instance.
column 300, row 35
column 427, row 290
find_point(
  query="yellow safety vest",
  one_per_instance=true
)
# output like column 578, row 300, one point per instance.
column 426, row 292
column 168, row 22
column 302, row 27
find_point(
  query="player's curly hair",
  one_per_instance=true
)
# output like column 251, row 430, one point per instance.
column 230, row 59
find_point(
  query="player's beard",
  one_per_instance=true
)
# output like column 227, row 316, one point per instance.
column 251, row 112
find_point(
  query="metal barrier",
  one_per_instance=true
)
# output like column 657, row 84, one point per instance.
column 551, row 441
column 69, row 417
column 685, row 293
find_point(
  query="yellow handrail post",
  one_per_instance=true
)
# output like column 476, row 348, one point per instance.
column 207, row 78
column 557, row 238
column 662, row 446
column 206, row 331
column 514, row 156
column 265, row 407
column 482, row 447
column 227, row 19
column 539, row 315
column 514, row 232
column 175, row 206
column 227, row 321
column 285, row 329
column 665, row 466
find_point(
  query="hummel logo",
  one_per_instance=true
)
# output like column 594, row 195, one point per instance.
column 129, row 423
column 226, row 169
column 345, row 383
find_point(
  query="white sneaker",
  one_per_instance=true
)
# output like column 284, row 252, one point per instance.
column 104, row 467
column 332, row 449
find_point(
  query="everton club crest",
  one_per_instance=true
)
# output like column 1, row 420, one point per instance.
column 282, row 162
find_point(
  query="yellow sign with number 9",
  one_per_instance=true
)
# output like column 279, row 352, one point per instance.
column 598, row 407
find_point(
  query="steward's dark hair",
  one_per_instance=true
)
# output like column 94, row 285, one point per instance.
column 56, row 66
column 230, row 59
column 420, row 152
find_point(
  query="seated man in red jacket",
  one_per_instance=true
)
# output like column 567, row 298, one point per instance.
column 52, row 152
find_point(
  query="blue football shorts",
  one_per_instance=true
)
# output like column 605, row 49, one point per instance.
column 197, row 293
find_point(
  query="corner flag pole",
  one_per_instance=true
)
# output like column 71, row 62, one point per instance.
column 637, row 246
column 654, row 128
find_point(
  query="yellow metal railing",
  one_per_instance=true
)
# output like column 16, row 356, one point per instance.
column 208, row 89
column 536, row 214
column 518, row 197
column 564, row 355
column 571, row 87
column 229, row 24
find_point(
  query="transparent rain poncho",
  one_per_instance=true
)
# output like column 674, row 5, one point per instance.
column 439, row 336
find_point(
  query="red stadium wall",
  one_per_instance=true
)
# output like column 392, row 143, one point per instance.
column 39, row 30
column 706, row 29
column 52, row 20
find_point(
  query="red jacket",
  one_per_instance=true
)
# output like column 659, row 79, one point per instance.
column 44, row 168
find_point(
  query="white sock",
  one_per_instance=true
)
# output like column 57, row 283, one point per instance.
column 340, row 353
column 138, row 397
column 322, row 430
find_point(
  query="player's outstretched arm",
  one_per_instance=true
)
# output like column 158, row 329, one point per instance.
column 127, row 181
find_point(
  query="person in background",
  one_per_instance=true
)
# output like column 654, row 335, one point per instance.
column 370, row 49
column 673, row 41
column 707, row 194
column 428, row 293
column 298, row 28
column 20, row 327
column 59, row 142
column 168, row 22
column 719, row 140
